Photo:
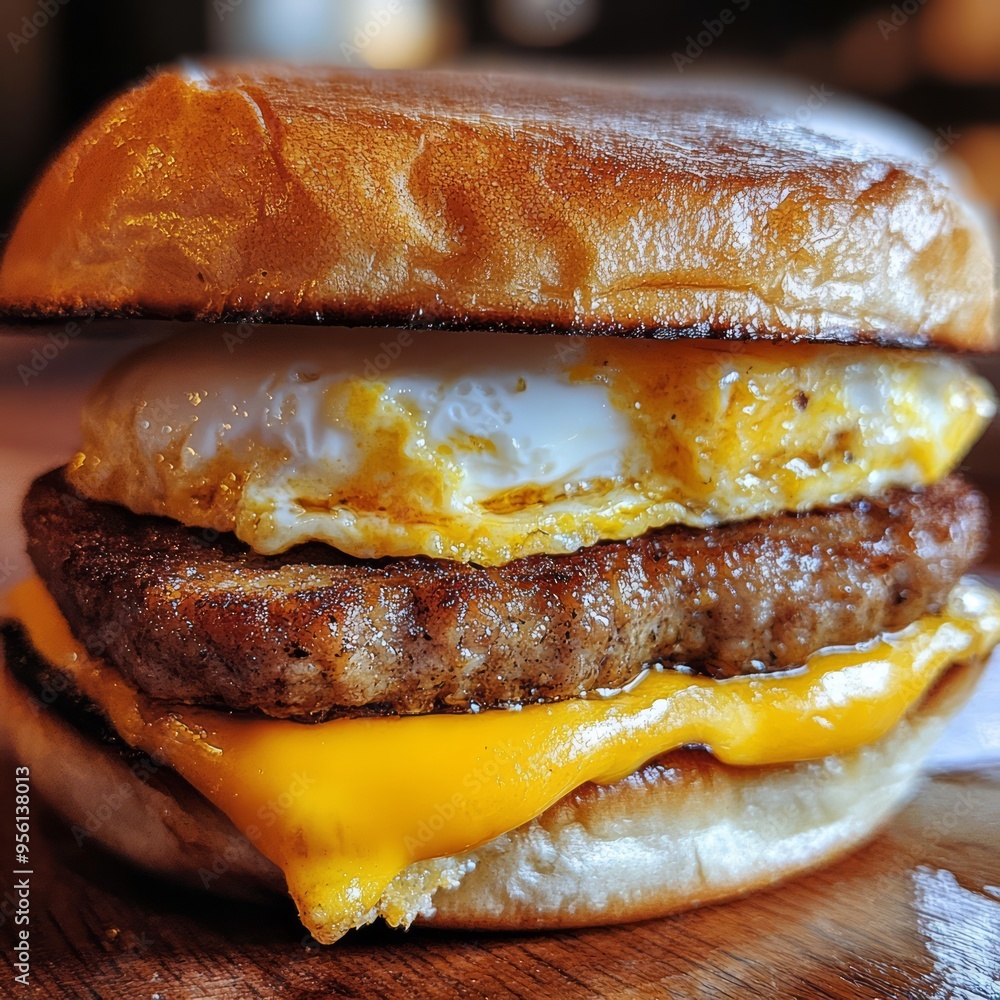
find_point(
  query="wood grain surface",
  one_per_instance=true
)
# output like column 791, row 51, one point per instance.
column 914, row 914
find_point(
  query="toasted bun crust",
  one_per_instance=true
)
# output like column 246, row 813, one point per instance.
column 683, row 831
column 464, row 200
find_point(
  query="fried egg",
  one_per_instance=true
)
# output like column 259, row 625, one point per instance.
column 486, row 447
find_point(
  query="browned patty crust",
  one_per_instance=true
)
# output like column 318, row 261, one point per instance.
column 312, row 631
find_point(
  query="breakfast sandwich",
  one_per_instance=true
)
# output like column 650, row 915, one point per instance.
column 542, row 509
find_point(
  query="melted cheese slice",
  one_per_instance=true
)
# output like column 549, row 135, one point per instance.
column 344, row 807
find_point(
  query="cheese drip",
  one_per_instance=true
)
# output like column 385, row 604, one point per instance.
column 352, row 802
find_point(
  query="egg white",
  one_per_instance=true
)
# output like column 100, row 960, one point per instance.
column 487, row 447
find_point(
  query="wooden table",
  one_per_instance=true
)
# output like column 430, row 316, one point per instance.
column 914, row 914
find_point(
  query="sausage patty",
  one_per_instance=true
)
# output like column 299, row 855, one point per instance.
column 312, row 632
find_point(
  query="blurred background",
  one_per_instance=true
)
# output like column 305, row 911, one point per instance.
column 936, row 62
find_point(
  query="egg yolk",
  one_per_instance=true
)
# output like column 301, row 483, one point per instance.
column 485, row 447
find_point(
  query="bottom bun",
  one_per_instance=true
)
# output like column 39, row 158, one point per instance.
column 683, row 831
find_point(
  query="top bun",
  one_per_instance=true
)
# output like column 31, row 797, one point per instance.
column 465, row 200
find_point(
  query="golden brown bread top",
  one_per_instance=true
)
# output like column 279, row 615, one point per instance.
column 464, row 200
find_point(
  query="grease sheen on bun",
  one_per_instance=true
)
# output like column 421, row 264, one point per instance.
column 470, row 201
